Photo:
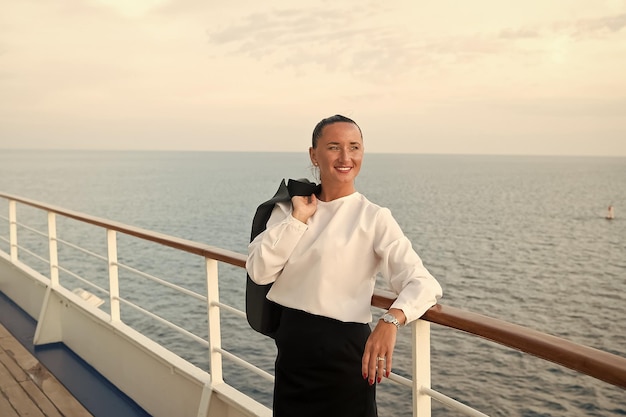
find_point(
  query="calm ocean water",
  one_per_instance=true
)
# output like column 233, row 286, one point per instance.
column 520, row 238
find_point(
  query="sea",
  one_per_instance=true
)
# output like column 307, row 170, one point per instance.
column 520, row 238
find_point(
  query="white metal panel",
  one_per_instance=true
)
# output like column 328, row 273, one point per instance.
column 159, row 381
column 22, row 285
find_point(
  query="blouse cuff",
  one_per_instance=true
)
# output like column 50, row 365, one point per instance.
column 297, row 223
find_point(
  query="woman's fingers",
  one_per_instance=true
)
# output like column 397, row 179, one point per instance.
column 304, row 207
column 377, row 358
column 380, row 371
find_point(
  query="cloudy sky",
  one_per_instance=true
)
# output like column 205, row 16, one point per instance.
column 419, row 76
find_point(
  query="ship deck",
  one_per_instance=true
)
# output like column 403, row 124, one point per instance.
column 27, row 388
column 50, row 380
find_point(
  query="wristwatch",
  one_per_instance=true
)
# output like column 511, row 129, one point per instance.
column 390, row 318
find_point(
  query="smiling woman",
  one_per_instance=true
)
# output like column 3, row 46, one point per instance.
column 338, row 155
column 322, row 253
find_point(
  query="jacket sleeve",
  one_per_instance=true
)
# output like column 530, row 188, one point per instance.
column 270, row 250
column 416, row 288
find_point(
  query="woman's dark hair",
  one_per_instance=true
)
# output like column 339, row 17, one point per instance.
column 317, row 132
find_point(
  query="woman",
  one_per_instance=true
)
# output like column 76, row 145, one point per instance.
column 323, row 253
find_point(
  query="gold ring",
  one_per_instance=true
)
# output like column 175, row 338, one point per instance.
column 380, row 358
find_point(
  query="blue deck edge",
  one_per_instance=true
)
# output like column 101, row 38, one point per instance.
column 99, row 396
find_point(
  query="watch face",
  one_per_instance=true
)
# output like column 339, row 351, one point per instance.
column 388, row 318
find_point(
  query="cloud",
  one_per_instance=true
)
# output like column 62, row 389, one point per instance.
column 337, row 40
column 369, row 44
column 518, row 33
column 602, row 26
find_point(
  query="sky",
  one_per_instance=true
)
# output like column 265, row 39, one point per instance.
column 530, row 77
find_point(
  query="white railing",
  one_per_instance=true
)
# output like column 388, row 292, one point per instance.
column 420, row 371
column 420, row 330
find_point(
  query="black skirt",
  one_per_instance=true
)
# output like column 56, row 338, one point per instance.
column 318, row 368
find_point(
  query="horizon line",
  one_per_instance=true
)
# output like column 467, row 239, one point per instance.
column 303, row 152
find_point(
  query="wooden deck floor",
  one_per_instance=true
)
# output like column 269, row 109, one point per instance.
column 27, row 388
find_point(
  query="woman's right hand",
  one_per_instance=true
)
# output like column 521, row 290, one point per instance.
column 303, row 207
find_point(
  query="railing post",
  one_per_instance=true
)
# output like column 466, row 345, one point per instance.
column 213, row 311
column 421, row 368
column 114, row 285
column 13, row 230
column 52, row 244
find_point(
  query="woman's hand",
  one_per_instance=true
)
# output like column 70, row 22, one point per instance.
column 379, row 345
column 304, row 207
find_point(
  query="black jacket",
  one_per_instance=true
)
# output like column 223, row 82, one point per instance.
column 264, row 315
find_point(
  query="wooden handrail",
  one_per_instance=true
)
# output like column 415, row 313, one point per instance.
column 589, row 361
column 222, row 255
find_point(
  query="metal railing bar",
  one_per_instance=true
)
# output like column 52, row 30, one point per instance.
column 33, row 254
column 30, row 229
column 233, row 310
column 83, row 280
column 4, row 239
column 247, row 365
column 442, row 398
column 163, row 282
column 161, row 320
column 452, row 403
column 83, row 250
column 398, row 379
column 4, row 218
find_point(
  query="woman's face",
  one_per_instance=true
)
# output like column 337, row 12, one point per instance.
column 338, row 154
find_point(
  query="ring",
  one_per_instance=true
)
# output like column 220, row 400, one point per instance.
column 380, row 358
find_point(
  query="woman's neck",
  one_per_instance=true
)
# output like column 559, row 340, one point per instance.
column 330, row 193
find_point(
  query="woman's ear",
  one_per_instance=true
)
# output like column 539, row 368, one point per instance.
column 312, row 156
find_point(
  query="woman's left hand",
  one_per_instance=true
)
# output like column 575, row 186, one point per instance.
column 378, row 355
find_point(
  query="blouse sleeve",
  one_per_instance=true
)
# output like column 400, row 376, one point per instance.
column 416, row 288
column 270, row 250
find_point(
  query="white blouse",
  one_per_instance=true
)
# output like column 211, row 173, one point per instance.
column 328, row 266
